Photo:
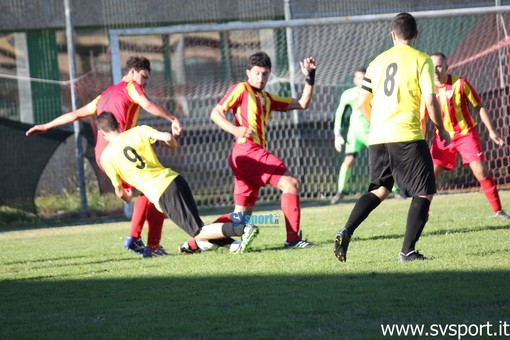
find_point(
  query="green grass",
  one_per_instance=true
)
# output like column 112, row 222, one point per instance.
column 78, row 281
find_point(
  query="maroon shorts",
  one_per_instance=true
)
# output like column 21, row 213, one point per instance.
column 253, row 167
column 469, row 147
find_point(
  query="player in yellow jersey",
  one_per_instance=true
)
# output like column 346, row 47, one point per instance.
column 393, row 88
column 130, row 157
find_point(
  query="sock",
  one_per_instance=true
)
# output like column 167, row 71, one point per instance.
column 223, row 219
column 139, row 216
column 155, row 219
column 228, row 229
column 491, row 193
column 363, row 207
column 292, row 213
column 417, row 217
column 193, row 244
column 343, row 177
column 221, row 242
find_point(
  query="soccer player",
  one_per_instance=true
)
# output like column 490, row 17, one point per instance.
column 395, row 83
column 357, row 134
column 124, row 101
column 130, row 156
column 454, row 93
column 252, row 164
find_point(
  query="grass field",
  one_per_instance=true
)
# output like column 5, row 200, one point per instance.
column 78, row 281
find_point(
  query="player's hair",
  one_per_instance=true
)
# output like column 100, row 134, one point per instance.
column 107, row 122
column 360, row 69
column 440, row 55
column 138, row 63
column 404, row 25
column 260, row 59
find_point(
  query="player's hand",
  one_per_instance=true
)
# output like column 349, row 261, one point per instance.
column 339, row 142
column 36, row 130
column 129, row 195
column 176, row 128
column 172, row 143
column 307, row 65
column 444, row 136
column 243, row 131
column 496, row 138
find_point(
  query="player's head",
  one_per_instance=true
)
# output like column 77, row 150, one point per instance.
column 404, row 27
column 440, row 67
column 359, row 73
column 258, row 70
column 106, row 122
column 139, row 68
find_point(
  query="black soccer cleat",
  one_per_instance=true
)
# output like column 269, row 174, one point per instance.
column 412, row 256
column 341, row 244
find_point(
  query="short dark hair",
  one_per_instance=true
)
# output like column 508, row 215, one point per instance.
column 138, row 63
column 440, row 55
column 260, row 59
column 360, row 69
column 107, row 122
column 404, row 25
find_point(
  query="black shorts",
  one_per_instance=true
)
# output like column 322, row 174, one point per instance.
column 407, row 163
column 179, row 205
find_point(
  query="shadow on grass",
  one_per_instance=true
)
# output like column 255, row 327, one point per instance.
column 255, row 307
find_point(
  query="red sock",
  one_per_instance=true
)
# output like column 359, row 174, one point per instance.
column 491, row 193
column 193, row 244
column 223, row 219
column 155, row 219
column 139, row 216
column 292, row 213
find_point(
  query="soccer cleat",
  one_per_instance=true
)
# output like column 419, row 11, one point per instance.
column 342, row 241
column 412, row 256
column 300, row 243
column 158, row 252
column 185, row 249
column 502, row 215
column 134, row 245
column 250, row 232
column 337, row 198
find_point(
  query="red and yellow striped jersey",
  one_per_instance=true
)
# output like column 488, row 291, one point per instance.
column 453, row 98
column 252, row 109
column 119, row 99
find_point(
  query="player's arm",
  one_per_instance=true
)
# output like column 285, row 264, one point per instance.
column 165, row 137
column 434, row 111
column 496, row 138
column 158, row 111
column 64, row 119
column 124, row 194
column 308, row 68
column 365, row 97
column 218, row 116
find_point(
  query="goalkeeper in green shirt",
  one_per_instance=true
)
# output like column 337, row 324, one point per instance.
column 357, row 135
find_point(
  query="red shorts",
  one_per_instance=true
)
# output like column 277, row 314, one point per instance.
column 469, row 147
column 253, row 167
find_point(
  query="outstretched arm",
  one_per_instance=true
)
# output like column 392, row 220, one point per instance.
column 308, row 68
column 64, row 119
column 158, row 111
column 496, row 138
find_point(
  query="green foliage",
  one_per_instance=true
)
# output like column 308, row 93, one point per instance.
column 78, row 281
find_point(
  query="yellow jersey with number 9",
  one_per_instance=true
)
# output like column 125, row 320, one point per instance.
column 131, row 157
column 398, row 78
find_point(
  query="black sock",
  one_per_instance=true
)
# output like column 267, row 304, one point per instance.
column 228, row 229
column 363, row 207
column 416, row 219
column 222, row 241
